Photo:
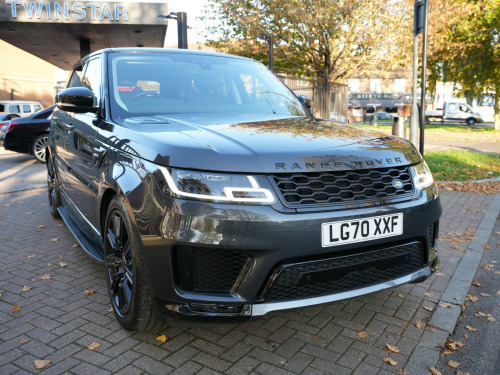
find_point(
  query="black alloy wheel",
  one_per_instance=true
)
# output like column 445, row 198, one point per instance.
column 119, row 264
column 39, row 148
column 52, row 189
column 126, row 278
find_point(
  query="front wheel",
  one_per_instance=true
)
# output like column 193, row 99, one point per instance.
column 125, row 272
column 471, row 121
column 39, row 147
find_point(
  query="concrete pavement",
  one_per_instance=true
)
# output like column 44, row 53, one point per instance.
column 43, row 274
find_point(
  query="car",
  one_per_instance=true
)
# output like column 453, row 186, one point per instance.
column 208, row 191
column 28, row 135
column 21, row 107
column 5, row 121
column 383, row 116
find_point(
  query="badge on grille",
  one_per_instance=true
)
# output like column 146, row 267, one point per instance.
column 398, row 184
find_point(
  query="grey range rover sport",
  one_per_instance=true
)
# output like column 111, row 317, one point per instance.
column 208, row 190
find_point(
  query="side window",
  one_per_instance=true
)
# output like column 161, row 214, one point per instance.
column 2, row 108
column 14, row 109
column 26, row 108
column 92, row 79
column 36, row 107
column 75, row 79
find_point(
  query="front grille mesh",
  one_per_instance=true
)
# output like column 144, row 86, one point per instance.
column 346, row 273
column 216, row 271
column 343, row 186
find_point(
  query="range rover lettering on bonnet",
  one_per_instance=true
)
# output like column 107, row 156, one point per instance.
column 355, row 164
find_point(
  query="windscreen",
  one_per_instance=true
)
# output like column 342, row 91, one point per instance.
column 147, row 84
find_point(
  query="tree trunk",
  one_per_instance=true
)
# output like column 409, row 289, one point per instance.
column 497, row 110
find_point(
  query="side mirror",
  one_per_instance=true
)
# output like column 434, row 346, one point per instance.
column 305, row 100
column 76, row 99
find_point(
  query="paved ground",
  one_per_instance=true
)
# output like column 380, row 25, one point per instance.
column 480, row 354
column 57, row 321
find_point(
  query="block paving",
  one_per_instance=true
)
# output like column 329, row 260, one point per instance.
column 57, row 320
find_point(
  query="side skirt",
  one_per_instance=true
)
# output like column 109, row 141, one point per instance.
column 89, row 246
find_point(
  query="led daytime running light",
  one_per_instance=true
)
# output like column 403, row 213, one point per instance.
column 229, row 191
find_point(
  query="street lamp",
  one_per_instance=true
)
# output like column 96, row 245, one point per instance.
column 270, row 40
column 181, row 18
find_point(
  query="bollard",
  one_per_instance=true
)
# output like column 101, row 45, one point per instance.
column 399, row 127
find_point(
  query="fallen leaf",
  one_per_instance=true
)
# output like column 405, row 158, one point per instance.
column 30, row 256
column 62, row 264
column 498, row 292
column 494, row 261
column 429, row 294
column 434, row 371
column 491, row 319
column 390, row 361
column 110, row 309
column 446, row 304
column 480, row 313
column 486, row 246
column 42, row 364
column 456, row 298
column 439, row 274
column 475, row 283
column 401, row 295
column 466, row 337
column 484, row 294
column 26, row 288
column 54, row 240
column 60, row 257
column 471, row 298
column 392, row 348
column 23, row 341
column 488, row 267
column 470, row 328
column 29, row 213
column 462, row 373
column 89, row 292
column 49, row 264
column 430, row 309
column 15, row 308
column 46, row 277
column 93, row 346
column 162, row 338
column 420, row 324
column 363, row 334
column 75, row 246
column 453, row 364
column 401, row 371
column 41, row 226
column 0, row 295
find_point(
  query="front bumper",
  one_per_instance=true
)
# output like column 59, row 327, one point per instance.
column 270, row 240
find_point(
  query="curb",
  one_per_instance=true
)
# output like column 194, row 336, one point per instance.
column 426, row 353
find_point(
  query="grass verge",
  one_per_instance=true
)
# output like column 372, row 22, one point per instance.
column 439, row 128
column 459, row 165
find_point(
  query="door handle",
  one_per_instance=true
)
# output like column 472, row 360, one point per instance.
column 98, row 154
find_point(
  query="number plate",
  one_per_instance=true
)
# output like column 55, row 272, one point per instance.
column 366, row 229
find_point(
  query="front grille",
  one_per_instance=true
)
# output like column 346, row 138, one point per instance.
column 343, row 186
column 206, row 270
column 344, row 273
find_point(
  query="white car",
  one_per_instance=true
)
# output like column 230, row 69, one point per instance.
column 20, row 107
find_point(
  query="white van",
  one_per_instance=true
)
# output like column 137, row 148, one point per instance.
column 20, row 107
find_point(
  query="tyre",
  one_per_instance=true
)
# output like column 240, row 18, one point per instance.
column 125, row 272
column 39, row 147
column 53, row 189
column 471, row 121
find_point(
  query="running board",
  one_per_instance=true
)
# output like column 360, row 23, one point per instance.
column 89, row 247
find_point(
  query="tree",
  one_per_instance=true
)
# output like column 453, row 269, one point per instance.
column 317, row 38
column 465, row 47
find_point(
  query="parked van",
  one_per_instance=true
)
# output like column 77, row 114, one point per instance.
column 20, row 107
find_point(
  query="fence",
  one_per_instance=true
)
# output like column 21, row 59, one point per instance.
column 329, row 99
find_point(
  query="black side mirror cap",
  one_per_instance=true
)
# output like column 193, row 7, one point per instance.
column 76, row 99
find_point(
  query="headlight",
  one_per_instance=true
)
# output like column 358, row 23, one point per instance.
column 216, row 186
column 422, row 176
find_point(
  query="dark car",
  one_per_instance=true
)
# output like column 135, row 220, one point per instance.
column 5, row 119
column 209, row 191
column 28, row 135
